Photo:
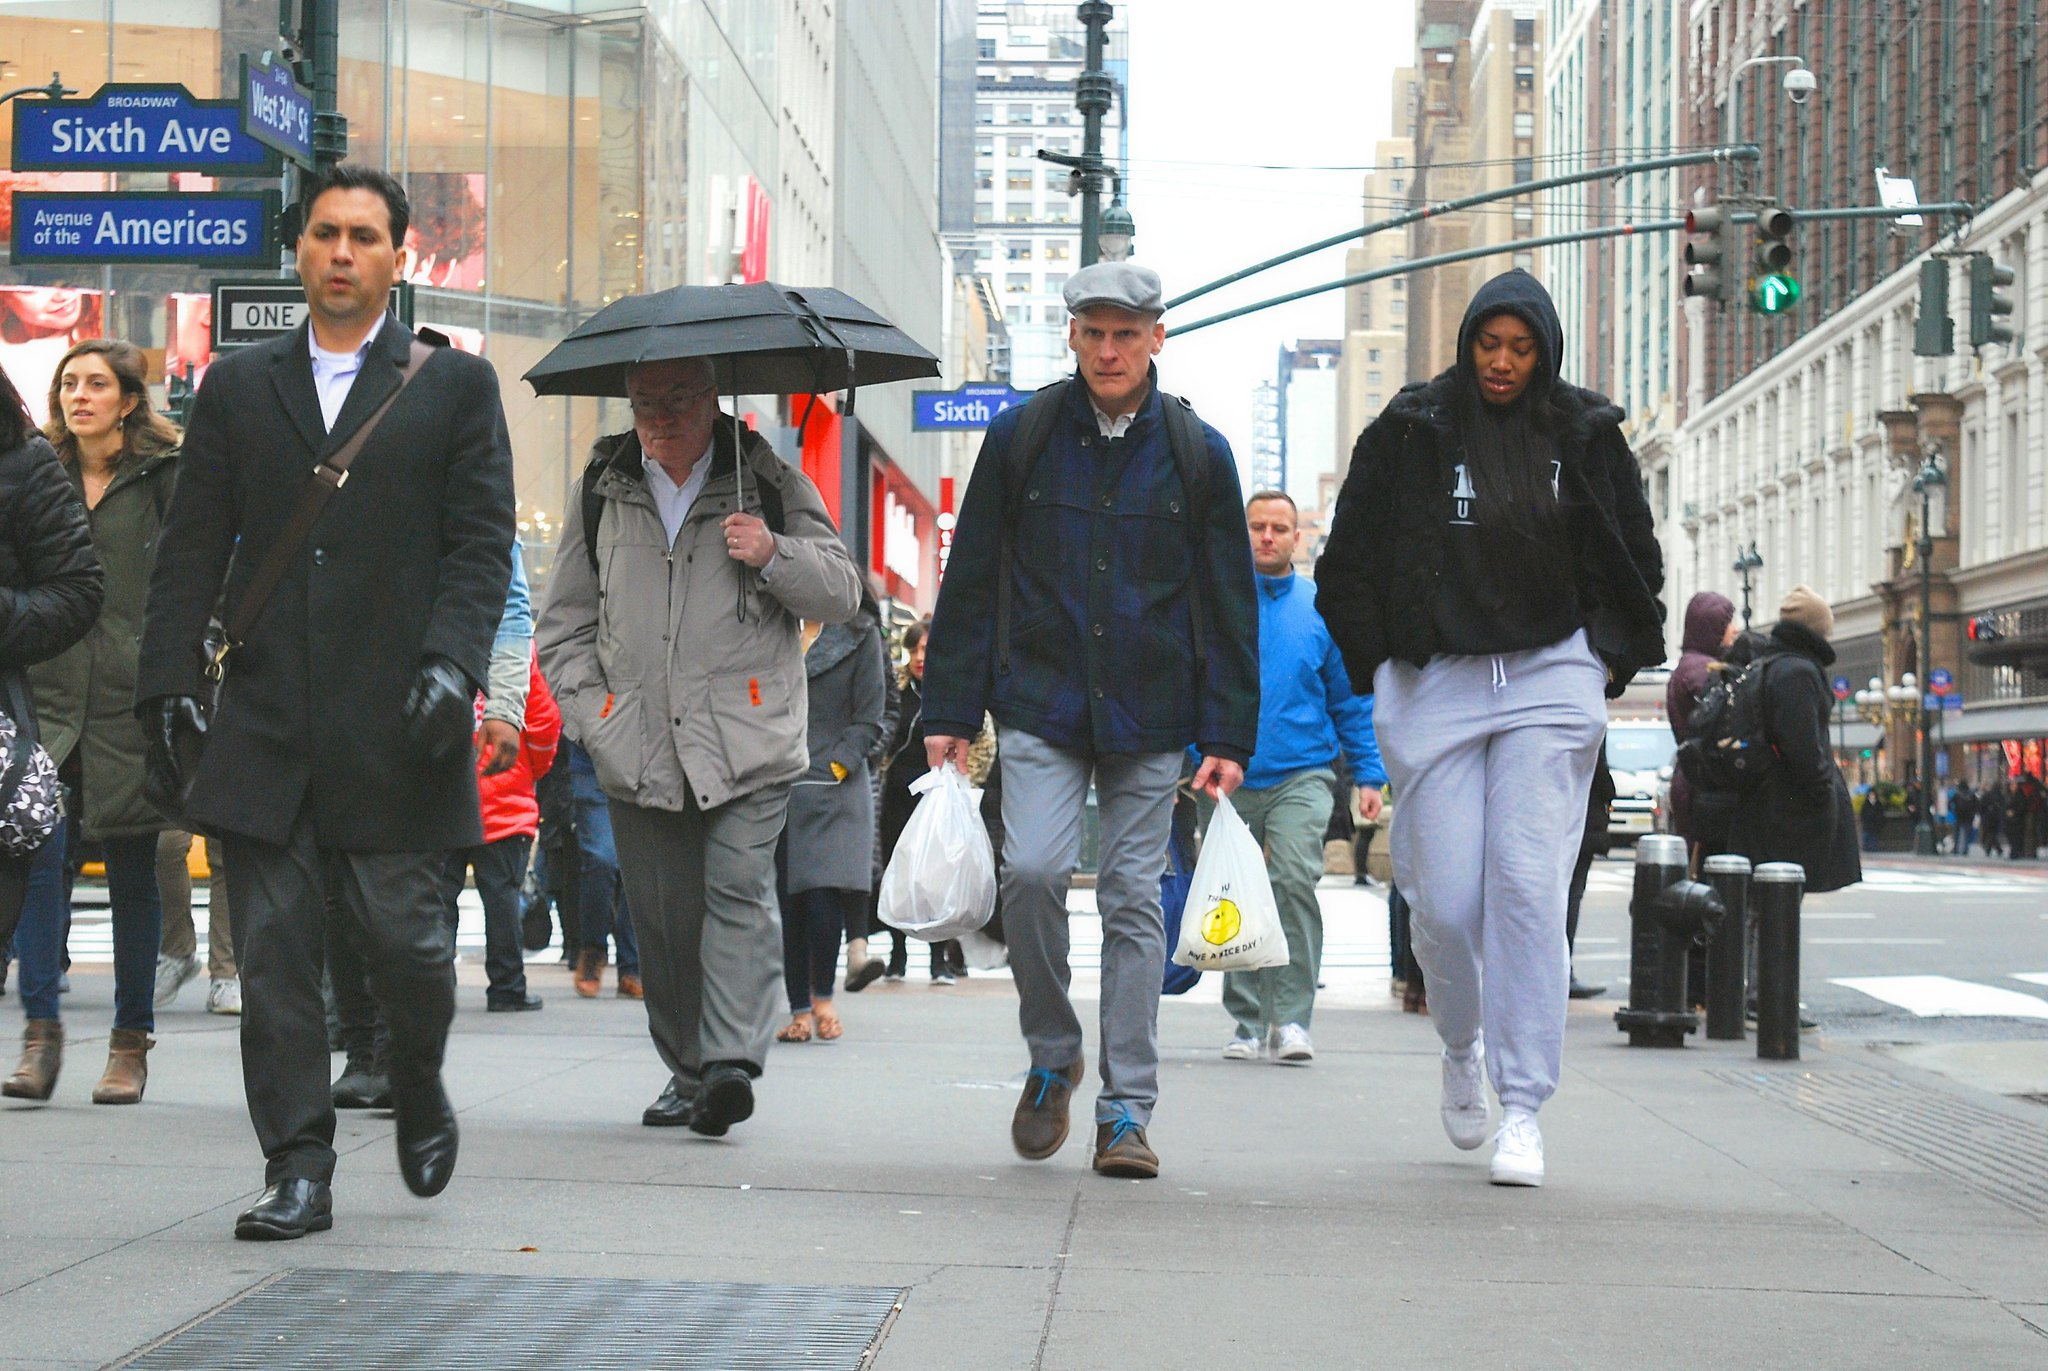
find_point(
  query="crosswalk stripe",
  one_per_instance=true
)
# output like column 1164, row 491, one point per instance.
column 1931, row 997
column 2034, row 977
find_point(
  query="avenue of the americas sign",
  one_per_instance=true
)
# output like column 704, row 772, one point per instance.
column 155, row 127
column 87, row 227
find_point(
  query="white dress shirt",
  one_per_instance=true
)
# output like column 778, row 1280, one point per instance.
column 334, row 374
column 673, row 501
column 1113, row 428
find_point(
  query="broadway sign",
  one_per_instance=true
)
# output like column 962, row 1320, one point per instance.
column 137, row 128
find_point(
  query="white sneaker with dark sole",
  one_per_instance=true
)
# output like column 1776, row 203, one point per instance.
column 1291, row 1045
column 1243, row 1049
column 1464, row 1100
column 1518, row 1151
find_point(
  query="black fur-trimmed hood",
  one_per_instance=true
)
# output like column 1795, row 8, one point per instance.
column 1434, row 402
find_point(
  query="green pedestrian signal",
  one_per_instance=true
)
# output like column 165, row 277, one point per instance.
column 1774, row 293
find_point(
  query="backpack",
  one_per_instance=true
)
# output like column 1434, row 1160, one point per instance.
column 593, row 503
column 1727, row 748
column 1028, row 444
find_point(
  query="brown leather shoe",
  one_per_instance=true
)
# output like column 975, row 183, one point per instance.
column 630, row 987
column 589, row 973
column 127, row 1068
column 1040, row 1124
column 42, row 1056
column 1121, row 1151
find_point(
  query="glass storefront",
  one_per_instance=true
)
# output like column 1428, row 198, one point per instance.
column 550, row 153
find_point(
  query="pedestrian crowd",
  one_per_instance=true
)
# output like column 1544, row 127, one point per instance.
column 697, row 752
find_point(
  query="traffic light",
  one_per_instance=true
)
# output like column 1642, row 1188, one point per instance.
column 1984, row 629
column 1773, row 289
column 1987, row 306
column 1934, row 335
column 1706, row 259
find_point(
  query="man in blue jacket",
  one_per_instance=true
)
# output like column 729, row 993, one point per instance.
column 1099, row 603
column 1306, row 713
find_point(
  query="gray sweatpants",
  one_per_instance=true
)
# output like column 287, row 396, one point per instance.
column 1045, row 791
column 1491, row 759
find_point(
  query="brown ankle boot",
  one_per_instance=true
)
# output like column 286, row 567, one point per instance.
column 42, row 1056
column 127, row 1068
column 589, row 974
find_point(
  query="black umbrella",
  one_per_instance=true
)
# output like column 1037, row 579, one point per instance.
column 765, row 339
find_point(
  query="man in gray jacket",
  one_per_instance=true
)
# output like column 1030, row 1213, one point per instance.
column 671, row 639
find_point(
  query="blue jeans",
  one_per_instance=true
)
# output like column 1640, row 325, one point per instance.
column 138, row 915
column 598, row 890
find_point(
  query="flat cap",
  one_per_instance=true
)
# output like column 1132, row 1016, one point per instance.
column 1125, row 285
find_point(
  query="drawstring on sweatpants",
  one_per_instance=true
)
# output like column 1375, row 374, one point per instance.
column 1500, row 675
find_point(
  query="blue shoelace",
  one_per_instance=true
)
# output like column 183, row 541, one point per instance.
column 1123, row 1123
column 1046, row 1078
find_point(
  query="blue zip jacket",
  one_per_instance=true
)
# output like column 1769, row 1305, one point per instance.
column 1101, row 634
column 1306, row 708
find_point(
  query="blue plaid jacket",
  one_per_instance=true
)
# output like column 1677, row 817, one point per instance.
column 1101, row 633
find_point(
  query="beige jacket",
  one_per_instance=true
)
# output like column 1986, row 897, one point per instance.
column 671, row 689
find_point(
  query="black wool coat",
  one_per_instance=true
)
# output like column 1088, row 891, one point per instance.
column 411, row 558
column 1801, row 813
column 1376, row 580
column 51, row 583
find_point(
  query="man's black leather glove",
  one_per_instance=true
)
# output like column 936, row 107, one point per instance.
column 174, row 726
column 440, row 711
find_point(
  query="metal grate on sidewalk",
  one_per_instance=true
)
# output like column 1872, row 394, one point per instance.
column 1994, row 1154
column 316, row 1320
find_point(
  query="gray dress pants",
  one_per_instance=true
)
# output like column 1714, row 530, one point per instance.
column 701, row 885
column 1045, row 793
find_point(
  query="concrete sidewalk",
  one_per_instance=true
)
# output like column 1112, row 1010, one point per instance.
column 1703, row 1209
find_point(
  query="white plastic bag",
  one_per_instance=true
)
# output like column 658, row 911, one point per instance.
column 1231, row 922
column 941, row 879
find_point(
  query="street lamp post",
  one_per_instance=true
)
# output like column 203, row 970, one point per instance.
column 1747, row 561
column 1731, row 117
column 1925, row 482
column 56, row 90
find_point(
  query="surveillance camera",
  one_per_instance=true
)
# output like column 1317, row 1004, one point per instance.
column 1800, row 84
column 288, row 51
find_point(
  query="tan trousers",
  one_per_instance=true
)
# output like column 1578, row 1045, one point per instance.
column 181, row 932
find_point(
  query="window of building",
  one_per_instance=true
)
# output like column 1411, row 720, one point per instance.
column 1372, row 354
column 1055, row 314
column 1400, row 161
column 984, row 207
column 1056, row 250
column 1399, row 183
column 1055, row 282
column 1399, row 286
column 1018, row 180
column 984, row 180
column 984, row 147
column 1525, row 78
column 1525, row 32
column 1372, row 400
column 1525, row 125
column 1019, row 147
column 984, row 114
column 985, row 49
column 1017, row 211
column 1525, row 169
column 1020, row 114
column 1372, row 378
column 1017, row 283
column 1526, row 261
column 1060, row 213
column 1398, row 308
column 1017, row 249
column 1015, row 314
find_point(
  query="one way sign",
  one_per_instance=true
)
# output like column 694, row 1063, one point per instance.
column 246, row 312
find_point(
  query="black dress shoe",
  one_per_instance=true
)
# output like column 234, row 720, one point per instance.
column 512, row 1004
column 726, row 1098
column 674, row 1108
column 426, row 1136
column 870, row 971
column 1581, row 991
column 289, row 1209
column 360, row 1087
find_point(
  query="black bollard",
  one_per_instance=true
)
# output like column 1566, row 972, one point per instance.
column 1649, row 1019
column 1727, row 953
column 1776, row 889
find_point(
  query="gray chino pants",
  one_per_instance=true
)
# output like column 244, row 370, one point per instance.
column 701, row 885
column 1045, row 792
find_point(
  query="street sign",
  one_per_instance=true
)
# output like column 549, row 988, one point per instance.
column 1940, row 682
column 137, row 127
column 71, row 228
column 246, row 312
column 1841, row 685
column 276, row 110
column 969, row 407
column 1952, row 703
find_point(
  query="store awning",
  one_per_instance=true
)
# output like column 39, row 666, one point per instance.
column 1994, row 723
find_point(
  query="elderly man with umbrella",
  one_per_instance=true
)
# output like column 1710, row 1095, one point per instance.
column 671, row 636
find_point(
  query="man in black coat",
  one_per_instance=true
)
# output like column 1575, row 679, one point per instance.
column 338, row 754
column 1801, row 813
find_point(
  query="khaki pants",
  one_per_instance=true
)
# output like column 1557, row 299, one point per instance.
column 181, row 932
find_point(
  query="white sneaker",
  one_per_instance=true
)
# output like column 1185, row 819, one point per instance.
column 1518, row 1158
column 1291, row 1044
column 1464, row 1104
column 1243, row 1047
column 224, row 996
column 171, row 975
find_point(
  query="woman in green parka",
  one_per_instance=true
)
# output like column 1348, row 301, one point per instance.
column 121, row 458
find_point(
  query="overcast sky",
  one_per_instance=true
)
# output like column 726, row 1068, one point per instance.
column 1218, row 91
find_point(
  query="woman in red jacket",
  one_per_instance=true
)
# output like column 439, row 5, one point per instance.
column 511, row 818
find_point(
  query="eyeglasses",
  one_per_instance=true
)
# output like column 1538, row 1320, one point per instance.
column 669, row 406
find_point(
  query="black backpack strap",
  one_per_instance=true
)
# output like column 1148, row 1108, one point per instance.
column 1016, row 462
column 1191, row 455
column 593, row 509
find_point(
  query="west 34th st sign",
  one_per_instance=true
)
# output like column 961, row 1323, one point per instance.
column 138, row 128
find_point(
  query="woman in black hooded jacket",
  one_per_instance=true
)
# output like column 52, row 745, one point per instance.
column 1492, row 569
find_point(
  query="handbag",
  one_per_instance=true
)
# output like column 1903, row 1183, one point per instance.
column 327, row 477
column 31, row 798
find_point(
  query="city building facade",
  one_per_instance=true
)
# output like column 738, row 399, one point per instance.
column 1373, row 361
